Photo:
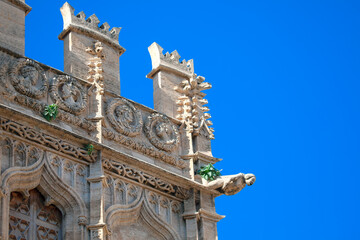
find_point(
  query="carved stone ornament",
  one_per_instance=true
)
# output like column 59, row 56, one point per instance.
column 161, row 132
column 144, row 178
column 28, row 78
column 45, row 140
column 68, row 94
column 231, row 184
column 124, row 117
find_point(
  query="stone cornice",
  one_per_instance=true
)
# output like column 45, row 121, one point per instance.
column 21, row 4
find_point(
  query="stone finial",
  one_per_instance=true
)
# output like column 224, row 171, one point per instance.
column 90, row 27
column 169, row 61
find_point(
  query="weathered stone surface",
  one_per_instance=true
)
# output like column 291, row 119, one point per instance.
column 105, row 167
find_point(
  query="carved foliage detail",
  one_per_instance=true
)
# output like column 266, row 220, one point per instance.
column 161, row 132
column 124, row 117
column 28, row 78
column 68, row 94
column 44, row 139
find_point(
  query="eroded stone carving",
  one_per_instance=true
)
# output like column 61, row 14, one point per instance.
column 144, row 148
column 191, row 109
column 95, row 67
column 161, row 132
column 232, row 184
column 28, row 78
column 45, row 139
column 124, row 117
column 144, row 178
column 68, row 94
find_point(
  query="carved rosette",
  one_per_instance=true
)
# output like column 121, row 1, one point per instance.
column 124, row 117
column 28, row 78
column 161, row 132
column 68, row 94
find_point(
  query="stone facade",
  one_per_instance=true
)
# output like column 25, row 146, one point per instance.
column 106, row 167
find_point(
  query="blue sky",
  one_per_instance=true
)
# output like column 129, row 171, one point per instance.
column 284, row 103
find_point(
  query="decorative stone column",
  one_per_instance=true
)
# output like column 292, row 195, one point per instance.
column 208, row 217
column 190, row 215
column 96, row 179
column 4, row 214
column 12, row 25
column 79, row 33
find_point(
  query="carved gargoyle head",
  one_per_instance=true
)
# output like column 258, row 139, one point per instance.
column 235, row 183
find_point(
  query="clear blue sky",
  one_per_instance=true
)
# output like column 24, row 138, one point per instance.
column 284, row 103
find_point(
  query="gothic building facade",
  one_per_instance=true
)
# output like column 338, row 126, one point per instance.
column 78, row 161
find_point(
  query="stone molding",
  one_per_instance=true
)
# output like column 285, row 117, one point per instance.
column 89, row 27
column 46, row 140
column 144, row 178
column 21, row 4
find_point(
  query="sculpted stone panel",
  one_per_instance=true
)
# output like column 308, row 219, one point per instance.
column 28, row 78
column 18, row 154
column 167, row 209
column 120, row 192
column 68, row 94
column 144, row 148
column 72, row 173
column 45, row 140
column 161, row 132
column 144, row 178
column 124, row 117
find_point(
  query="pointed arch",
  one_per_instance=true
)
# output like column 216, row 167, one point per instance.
column 139, row 213
column 41, row 176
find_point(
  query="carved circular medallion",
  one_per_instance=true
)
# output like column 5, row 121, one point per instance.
column 161, row 132
column 124, row 117
column 28, row 78
column 68, row 94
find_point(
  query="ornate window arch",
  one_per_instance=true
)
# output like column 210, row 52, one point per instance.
column 31, row 218
column 42, row 177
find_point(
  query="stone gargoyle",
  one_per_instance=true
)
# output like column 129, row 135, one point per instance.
column 231, row 184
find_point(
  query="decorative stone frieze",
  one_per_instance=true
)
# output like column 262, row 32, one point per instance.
column 28, row 78
column 68, row 94
column 124, row 117
column 161, row 132
column 144, row 178
column 45, row 139
column 144, row 148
